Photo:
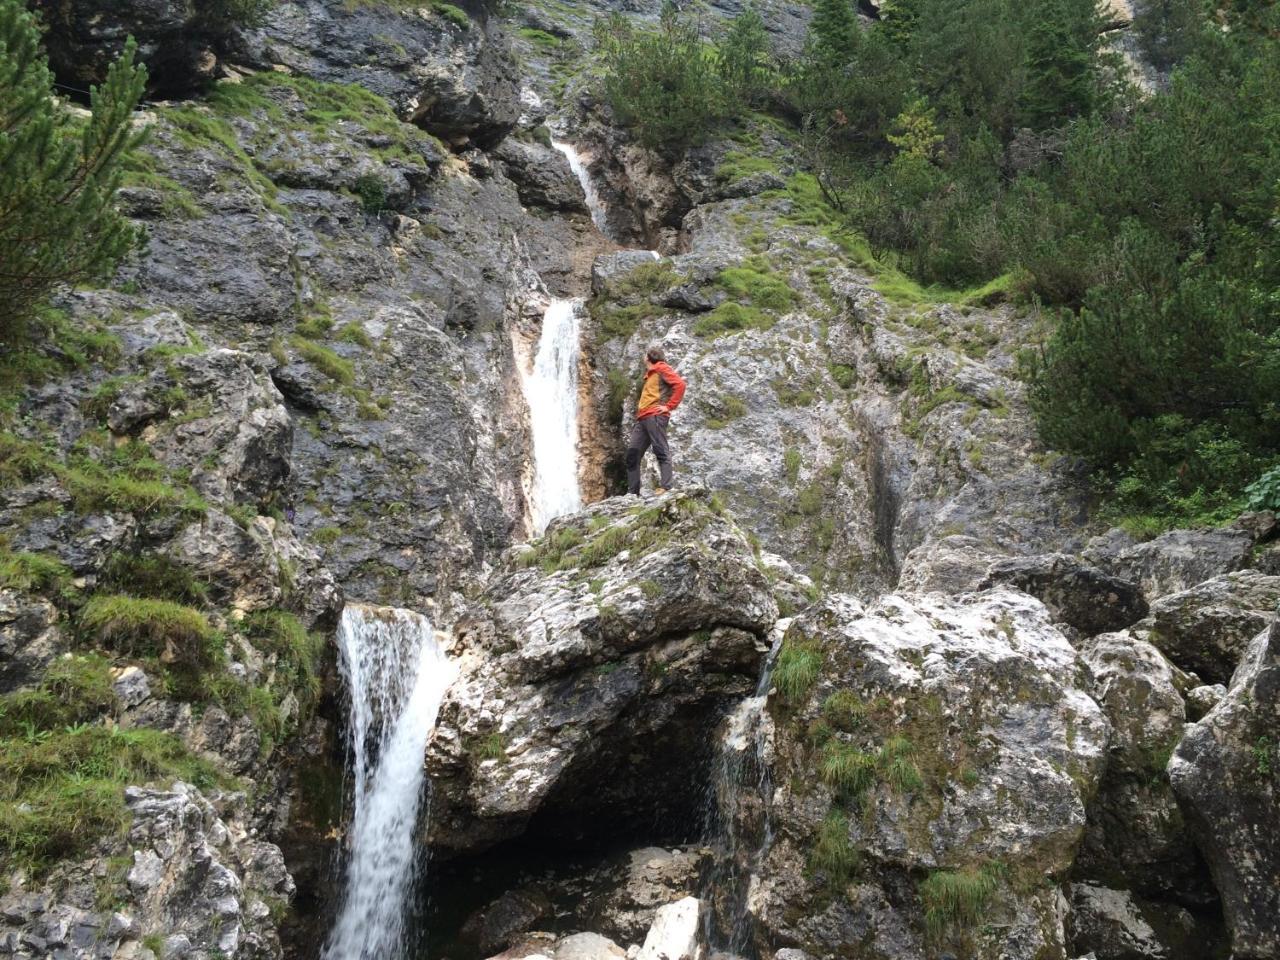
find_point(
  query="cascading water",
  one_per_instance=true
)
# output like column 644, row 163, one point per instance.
column 579, row 168
column 551, row 390
column 741, row 764
column 396, row 675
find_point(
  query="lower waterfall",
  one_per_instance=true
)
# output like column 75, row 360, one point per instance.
column 551, row 390
column 396, row 676
column 742, row 764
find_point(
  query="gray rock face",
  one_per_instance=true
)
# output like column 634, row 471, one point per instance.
column 1226, row 774
column 29, row 638
column 1079, row 595
column 455, row 81
column 1207, row 628
column 1115, row 925
column 1136, row 836
column 598, row 656
column 653, row 878
column 541, row 175
column 980, row 744
column 178, row 40
column 1173, row 561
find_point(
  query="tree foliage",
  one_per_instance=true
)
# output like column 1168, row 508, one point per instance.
column 58, row 173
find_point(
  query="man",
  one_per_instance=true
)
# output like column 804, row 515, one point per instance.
column 661, row 393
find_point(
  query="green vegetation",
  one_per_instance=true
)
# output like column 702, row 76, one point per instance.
column 799, row 663
column 993, row 150
column 34, row 572
column 336, row 368
column 833, row 853
column 492, row 747
column 844, row 710
column 151, row 628
column 852, row 771
column 58, row 174
column 957, row 899
column 455, row 15
column 791, row 464
column 63, row 778
column 151, row 575
column 725, row 410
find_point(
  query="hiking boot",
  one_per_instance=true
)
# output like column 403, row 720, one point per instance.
column 659, row 491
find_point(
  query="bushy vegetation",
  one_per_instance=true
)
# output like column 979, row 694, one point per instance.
column 997, row 145
column 58, row 174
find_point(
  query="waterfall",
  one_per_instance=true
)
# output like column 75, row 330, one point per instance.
column 396, row 676
column 579, row 168
column 742, row 763
column 551, row 390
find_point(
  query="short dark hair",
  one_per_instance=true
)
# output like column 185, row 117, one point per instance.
column 655, row 354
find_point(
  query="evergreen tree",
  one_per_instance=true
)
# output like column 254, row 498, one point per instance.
column 744, row 58
column 1062, row 63
column 833, row 30
column 58, row 174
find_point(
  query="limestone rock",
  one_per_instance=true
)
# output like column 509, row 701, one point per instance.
column 600, row 654
column 1079, row 595
column 1174, row 561
column 653, row 877
column 541, row 175
column 1207, row 628
column 30, row 638
column 674, row 934
column 1226, row 774
column 973, row 721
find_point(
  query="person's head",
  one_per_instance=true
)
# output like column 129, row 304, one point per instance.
column 654, row 354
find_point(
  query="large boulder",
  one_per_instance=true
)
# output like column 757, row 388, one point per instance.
column 593, row 669
column 1226, row 774
column 1136, row 836
column 956, row 747
column 1174, row 561
column 1079, row 595
column 1207, row 628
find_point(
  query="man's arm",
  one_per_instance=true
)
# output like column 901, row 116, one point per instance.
column 675, row 382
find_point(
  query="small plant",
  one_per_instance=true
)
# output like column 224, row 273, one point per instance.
column 897, row 764
column 844, row 710
column 958, row 898
column 492, row 747
column 833, row 854
column 152, row 575
column 370, row 189
column 799, row 663
column 791, row 464
column 1264, row 757
column 33, row 571
column 846, row 768
column 1264, row 493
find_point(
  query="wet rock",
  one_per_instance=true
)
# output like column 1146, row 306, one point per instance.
column 973, row 720
column 1226, row 775
column 503, row 921
column 595, row 658
column 1079, row 595
column 1174, row 561
column 541, row 175
column 654, row 877
column 1207, row 628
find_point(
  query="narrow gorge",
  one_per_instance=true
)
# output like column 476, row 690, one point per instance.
column 326, row 632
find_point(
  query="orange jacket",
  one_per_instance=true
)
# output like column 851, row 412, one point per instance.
column 662, row 391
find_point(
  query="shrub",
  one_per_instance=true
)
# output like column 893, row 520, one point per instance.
column 58, row 174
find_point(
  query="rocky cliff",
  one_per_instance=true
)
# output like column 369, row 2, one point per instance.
column 868, row 684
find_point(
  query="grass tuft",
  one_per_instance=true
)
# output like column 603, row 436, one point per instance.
column 957, row 898
column 799, row 664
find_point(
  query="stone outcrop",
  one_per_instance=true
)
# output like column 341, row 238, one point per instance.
column 954, row 739
column 598, row 657
column 1226, row 775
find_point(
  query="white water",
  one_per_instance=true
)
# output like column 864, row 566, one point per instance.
column 396, row 676
column 551, row 390
column 579, row 168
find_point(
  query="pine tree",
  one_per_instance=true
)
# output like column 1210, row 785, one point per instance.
column 744, row 58
column 833, row 30
column 58, row 173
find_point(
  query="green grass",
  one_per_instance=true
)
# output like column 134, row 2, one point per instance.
column 847, row 769
column 843, row 374
column 455, row 15
column 738, row 165
column 492, row 747
column 152, row 575
column 34, row 572
column 755, row 282
column 298, row 654
column 791, row 464
column 832, row 853
column 326, row 536
column 547, row 42
column 726, row 410
column 334, row 367
column 152, row 628
column 62, row 778
column 799, row 663
column 731, row 317
column 957, row 899
column 844, row 710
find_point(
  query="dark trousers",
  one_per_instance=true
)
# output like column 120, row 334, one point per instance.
column 649, row 432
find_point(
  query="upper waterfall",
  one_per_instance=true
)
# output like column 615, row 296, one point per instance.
column 579, row 167
column 396, row 676
column 551, row 390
